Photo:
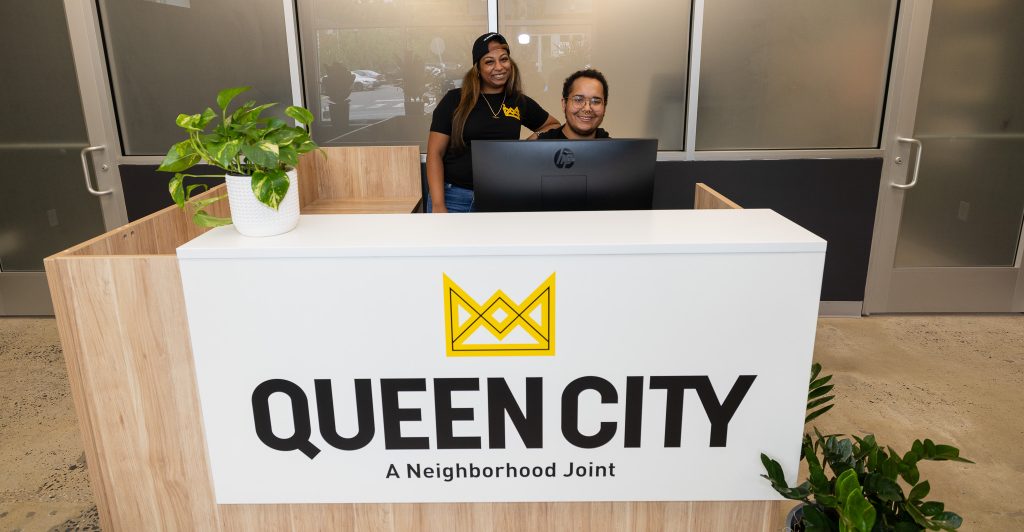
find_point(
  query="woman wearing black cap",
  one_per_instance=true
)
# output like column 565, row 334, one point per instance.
column 489, row 106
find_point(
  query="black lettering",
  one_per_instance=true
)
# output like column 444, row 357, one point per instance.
column 299, row 441
column 634, row 410
column 445, row 414
column 394, row 416
column 675, row 387
column 392, row 472
column 364, row 415
column 719, row 414
column 570, row 412
column 500, row 402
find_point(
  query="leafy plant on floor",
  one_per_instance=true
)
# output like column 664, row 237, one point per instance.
column 240, row 143
column 864, row 492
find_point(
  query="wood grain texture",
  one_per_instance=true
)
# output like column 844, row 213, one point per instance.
column 121, row 316
column 159, row 233
column 362, row 206
column 363, row 172
column 705, row 197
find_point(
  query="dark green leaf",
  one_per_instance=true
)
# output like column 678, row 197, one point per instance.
column 818, row 392
column 919, row 518
column 174, row 186
column 270, row 187
column 905, row 526
column 275, row 123
column 910, row 473
column 301, row 115
column 919, row 491
column 932, row 508
column 225, row 96
column 884, row 488
column 820, row 382
column 819, row 402
column 179, row 158
column 947, row 521
column 815, row 520
column 813, row 415
column 815, row 370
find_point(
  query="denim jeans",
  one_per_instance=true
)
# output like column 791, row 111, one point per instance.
column 456, row 199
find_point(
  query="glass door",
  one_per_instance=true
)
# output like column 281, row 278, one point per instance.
column 58, row 186
column 948, row 237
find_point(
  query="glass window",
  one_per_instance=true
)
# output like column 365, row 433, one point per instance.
column 173, row 56
column 642, row 47
column 375, row 70
column 793, row 73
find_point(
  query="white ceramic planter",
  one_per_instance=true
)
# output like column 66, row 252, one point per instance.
column 252, row 218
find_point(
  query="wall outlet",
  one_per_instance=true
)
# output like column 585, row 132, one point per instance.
column 51, row 215
column 965, row 210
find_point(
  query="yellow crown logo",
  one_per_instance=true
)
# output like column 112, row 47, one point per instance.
column 499, row 326
column 511, row 111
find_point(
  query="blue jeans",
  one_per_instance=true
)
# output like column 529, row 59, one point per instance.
column 456, row 199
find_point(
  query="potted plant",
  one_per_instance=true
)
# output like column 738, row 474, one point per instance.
column 863, row 492
column 258, row 156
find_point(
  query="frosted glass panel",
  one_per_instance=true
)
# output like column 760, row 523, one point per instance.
column 641, row 46
column 44, row 207
column 796, row 74
column 374, row 71
column 967, row 207
column 173, row 57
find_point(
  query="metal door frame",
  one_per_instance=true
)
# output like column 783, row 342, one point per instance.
column 969, row 289
column 26, row 293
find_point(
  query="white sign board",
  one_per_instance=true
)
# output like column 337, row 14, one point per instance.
column 564, row 377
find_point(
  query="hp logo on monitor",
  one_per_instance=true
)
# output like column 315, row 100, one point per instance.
column 565, row 158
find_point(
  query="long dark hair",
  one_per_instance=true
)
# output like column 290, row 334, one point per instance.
column 470, row 95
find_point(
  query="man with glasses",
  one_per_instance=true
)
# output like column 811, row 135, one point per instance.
column 584, row 98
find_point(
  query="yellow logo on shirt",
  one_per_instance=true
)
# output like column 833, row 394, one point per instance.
column 512, row 112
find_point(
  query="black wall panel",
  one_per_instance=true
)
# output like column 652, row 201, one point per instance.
column 833, row 198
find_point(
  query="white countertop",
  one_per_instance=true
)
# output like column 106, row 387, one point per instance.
column 538, row 233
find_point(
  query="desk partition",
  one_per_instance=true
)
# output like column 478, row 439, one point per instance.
column 137, row 370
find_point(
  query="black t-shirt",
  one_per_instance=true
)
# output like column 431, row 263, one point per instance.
column 558, row 134
column 482, row 125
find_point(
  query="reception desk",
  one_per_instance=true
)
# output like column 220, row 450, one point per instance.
column 189, row 371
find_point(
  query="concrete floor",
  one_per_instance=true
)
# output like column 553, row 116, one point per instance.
column 957, row 380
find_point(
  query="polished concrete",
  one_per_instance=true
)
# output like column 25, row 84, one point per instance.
column 955, row 379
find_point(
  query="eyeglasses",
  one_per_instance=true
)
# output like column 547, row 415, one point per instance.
column 579, row 101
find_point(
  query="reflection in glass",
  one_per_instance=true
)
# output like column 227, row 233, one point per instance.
column 793, row 74
column 374, row 71
column 642, row 47
column 173, row 57
column 967, row 207
column 44, row 206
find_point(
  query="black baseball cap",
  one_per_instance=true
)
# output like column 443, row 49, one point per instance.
column 482, row 45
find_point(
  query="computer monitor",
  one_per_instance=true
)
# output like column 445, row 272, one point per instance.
column 563, row 175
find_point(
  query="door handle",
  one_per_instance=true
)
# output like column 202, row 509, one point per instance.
column 85, row 170
column 917, row 162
